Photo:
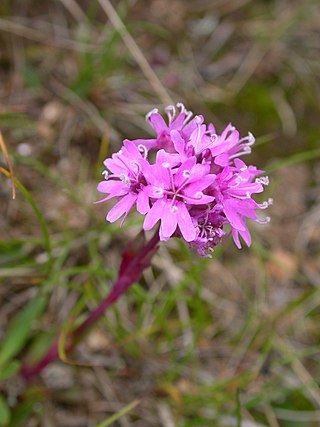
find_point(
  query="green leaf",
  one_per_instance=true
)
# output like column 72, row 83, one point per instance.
column 19, row 328
column 36, row 211
column 9, row 370
column 4, row 412
column 23, row 410
column 300, row 157
column 107, row 422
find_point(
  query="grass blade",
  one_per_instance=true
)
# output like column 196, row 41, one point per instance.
column 35, row 209
column 119, row 414
column 19, row 330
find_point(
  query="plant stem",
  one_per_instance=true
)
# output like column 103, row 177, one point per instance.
column 135, row 259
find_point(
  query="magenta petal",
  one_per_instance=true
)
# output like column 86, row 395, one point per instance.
column 178, row 141
column 154, row 214
column 189, row 128
column 115, row 165
column 153, row 191
column 111, row 186
column 235, row 236
column 226, row 131
column 186, row 167
column 178, row 122
column 142, row 203
column 157, row 122
column 131, row 149
column 148, row 143
column 169, row 220
column 246, row 236
column 123, row 206
column 186, row 226
column 198, row 172
column 232, row 216
column 233, row 138
column 222, row 160
column 205, row 182
column 202, row 199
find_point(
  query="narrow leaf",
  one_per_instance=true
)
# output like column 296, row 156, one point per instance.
column 4, row 412
column 19, row 329
column 107, row 422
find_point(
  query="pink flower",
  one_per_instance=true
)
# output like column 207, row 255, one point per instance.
column 175, row 189
column 128, row 168
column 197, row 187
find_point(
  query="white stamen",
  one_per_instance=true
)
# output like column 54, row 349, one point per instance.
column 171, row 112
column 198, row 195
column 250, row 139
column 188, row 114
column 135, row 165
column 213, row 137
column 198, row 121
column 265, row 220
column 264, row 180
column 186, row 173
column 266, row 204
column 181, row 107
column 154, row 111
column 263, row 205
column 246, row 150
column 125, row 179
column 143, row 150
column 105, row 174
column 165, row 165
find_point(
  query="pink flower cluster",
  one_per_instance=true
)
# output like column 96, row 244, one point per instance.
column 189, row 178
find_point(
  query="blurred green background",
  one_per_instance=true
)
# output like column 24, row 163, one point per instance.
column 231, row 341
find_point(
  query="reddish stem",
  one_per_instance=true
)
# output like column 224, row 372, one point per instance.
column 134, row 261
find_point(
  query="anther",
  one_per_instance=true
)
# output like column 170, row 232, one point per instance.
column 105, row 174
column 165, row 165
column 158, row 191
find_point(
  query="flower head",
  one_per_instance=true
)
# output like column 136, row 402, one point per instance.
column 197, row 186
